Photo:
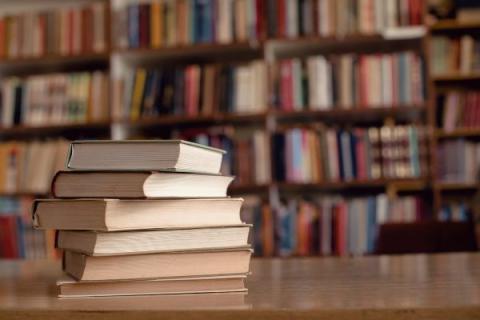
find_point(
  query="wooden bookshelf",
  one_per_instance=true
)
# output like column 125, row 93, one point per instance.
column 455, row 186
column 268, row 50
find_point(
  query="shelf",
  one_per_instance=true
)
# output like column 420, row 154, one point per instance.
column 178, row 120
column 455, row 186
column 456, row 77
column 355, row 114
column 247, row 189
column 24, row 194
column 49, row 129
column 458, row 133
column 453, row 25
column 50, row 61
column 401, row 184
column 205, row 50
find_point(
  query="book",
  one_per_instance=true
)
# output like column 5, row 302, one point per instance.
column 69, row 288
column 454, row 55
column 157, row 265
column 175, row 155
column 138, row 184
column 116, row 215
column 134, row 242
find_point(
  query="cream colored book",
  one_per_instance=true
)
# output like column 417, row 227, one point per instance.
column 134, row 242
column 118, row 215
column 138, row 184
column 153, row 155
column 69, row 288
column 157, row 265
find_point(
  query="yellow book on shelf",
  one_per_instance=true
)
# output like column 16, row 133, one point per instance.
column 156, row 24
column 139, row 85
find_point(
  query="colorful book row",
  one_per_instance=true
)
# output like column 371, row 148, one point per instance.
column 458, row 161
column 63, row 98
column 459, row 109
column 63, row 30
column 349, row 81
column 163, row 23
column 329, row 155
column 327, row 225
column 194, row 90
column 286, row 18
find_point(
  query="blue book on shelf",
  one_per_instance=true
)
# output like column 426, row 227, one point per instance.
column 298, row 154
column 208, row 15
column 340, row 155
column 133, row 26
column 372, row 227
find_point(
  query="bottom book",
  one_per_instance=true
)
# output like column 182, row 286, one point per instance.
column 69, row 288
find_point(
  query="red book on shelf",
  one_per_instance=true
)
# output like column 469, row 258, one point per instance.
column 286, row 85
column 476, row 109
column 86, row 25
column 8, row 237
column 281, row 18
column 42, row 29
column 144, row 25
column 363, row 76
column 70, row 34
column 340, row 229
column 259, row 18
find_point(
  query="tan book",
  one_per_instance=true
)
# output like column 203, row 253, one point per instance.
column 157, row 265
column 69, row 288
column 152, row 155
column 134, row 242
column 138, row 184
column 117, row 215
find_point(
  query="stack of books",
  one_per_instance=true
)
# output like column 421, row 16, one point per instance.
column 146, row 217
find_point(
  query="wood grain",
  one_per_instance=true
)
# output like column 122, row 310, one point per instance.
column 393, row 287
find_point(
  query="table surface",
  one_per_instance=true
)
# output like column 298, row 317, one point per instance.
column 399, row 287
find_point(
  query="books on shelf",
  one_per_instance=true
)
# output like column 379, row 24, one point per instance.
column 459, row 109
column 458, row 211
column 183, row 235
column 248, row 153
column 194, row 90
column 349, row 81
column 359, row 154
column 455, row 55
column 28, row 167
column 458, row 161
column 292, row 18
column 18, row 239
column 55, row 99
column 163, row 23
column 328, row 225
column 65, row 30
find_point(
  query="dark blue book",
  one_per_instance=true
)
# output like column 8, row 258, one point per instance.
column 372, row 228
column 353, row 152
column 133, row 26
column 341, row 155
column 179, row 103
column 278, row 148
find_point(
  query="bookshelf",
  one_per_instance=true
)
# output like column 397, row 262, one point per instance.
column 120, row 59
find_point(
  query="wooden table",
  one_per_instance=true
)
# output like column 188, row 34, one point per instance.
column 396, row 287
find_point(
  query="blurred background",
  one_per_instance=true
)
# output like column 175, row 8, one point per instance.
column 352, row 126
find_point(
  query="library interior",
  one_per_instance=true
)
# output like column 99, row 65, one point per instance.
column 348, row 125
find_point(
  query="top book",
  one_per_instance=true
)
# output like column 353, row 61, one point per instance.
column 173, row 155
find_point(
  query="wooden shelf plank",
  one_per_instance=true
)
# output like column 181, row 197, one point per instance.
column 458, row 133
column 456, row 77
column 407, row 183
column 21, row 129
column 355, row 114
column 455, row 186
column 452, row 25
column 25, row 63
